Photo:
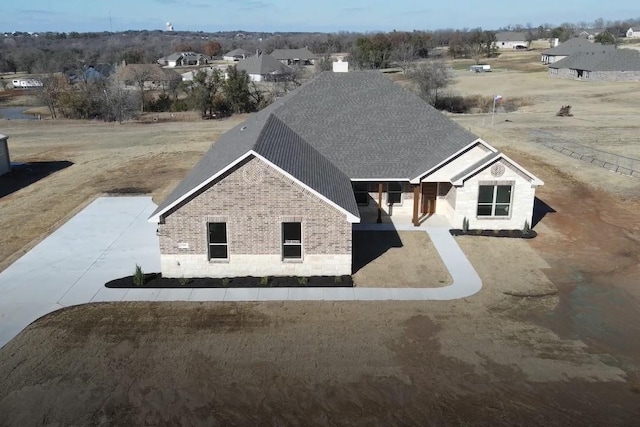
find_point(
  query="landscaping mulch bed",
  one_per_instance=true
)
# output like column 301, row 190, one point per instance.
column 155, row 280
column 516, row 234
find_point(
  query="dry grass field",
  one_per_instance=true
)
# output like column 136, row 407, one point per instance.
column 550, row 340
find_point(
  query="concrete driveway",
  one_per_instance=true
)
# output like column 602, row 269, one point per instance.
column 110, row 236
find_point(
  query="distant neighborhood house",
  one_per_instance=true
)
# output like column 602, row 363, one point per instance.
column 278, row 194
column 181, row 59
column 511, row 40
column 632, row 34
column 262, row 67
column 572, row 46
column 612, row 65
column 302, row 56
column 153, row 76
column 236, row 55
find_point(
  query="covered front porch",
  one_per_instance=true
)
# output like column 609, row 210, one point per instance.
column 401, row 204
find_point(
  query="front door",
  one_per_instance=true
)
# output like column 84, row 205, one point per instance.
column 429, row 193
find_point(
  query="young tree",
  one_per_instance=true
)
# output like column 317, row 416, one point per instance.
column 236, row 89
column 429, row 77
column 203, row 89
column 606, row 37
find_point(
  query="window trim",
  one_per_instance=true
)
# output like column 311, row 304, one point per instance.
column 210, row 244
column 395, row 192
column 494, row 203
column 283, row 243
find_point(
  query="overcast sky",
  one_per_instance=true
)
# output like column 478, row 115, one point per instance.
column 300, row 15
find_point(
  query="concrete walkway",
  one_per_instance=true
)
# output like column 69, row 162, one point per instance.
column 111, row 235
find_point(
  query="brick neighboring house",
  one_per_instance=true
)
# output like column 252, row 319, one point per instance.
column 572, row 46
column 302, row 56
column 619, row 65
column 278, row 194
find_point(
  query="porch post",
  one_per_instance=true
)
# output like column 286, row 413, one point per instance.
column 379, row 220
column 416, row 203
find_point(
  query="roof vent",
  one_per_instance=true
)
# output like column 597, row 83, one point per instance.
column 242, row 128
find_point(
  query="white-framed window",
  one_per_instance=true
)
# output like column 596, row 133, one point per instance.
column 394, row 193
column 217, row 240
column 361, row 193
column 494, row 200
column 291, row 240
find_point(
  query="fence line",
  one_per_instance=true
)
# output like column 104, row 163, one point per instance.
column 613, row 162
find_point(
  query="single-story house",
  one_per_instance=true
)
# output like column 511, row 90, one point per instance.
column 279, row 193
column 572, row 46
column 153, row 76
column 5, row 161
column 236, row 55
column 615, row 65
column 181, row 59
column 188, row 76
column 632, row 34
column 262, row 67
column 302, row 56
column 511, row 40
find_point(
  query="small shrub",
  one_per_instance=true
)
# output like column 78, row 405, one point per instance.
column 138, row 276
column 302, row 281
column 465, row 225
column 226, row 281
column 264, row 280
column 526, row 229
column 337, row 279
column 183, row 281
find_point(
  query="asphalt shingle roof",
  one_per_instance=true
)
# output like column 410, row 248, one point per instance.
column 510, row 36
column 616, row 60
column 338, row 127
column 237, row 52
column 574, row 45
column 302, row 53
column 261, row 64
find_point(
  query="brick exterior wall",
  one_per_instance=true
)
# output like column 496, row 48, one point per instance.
column 254, row 199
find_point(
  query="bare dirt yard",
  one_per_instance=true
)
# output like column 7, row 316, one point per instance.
column 551, row 339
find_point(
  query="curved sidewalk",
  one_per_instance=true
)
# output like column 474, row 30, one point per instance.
column 111, row 235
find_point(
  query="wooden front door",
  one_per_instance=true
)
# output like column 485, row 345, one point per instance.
column 429, row 193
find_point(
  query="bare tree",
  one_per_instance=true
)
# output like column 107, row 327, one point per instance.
column 405, row 54
column 429, row 78
column 119, row 103
column 53, row 87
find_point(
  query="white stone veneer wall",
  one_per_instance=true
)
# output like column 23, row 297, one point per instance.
column 174, row 265
column 522, row 195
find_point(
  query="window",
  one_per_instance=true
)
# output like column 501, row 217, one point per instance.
column 361, row 191
column 394, row 193
column 494, row 200
column 218, row 247
column 291, row 240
